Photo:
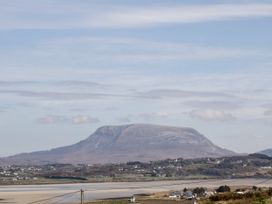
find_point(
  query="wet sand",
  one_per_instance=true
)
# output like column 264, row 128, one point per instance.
column 31, row 193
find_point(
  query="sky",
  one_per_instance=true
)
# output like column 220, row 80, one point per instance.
column 68, row 67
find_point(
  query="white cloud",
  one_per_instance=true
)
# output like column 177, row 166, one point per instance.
column 211, row 115
column 183, row 14
column 63, row 14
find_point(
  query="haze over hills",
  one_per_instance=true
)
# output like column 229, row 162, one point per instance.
column 134, row 142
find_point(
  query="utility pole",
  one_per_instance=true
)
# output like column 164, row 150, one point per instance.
column 81, row 196
column 194, row 201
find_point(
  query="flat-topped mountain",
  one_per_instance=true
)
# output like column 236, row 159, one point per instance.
column 135, row 142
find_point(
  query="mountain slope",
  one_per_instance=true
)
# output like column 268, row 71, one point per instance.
column 267, row 152
column 135, row 142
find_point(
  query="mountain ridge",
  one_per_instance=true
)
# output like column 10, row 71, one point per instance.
column 131, row 142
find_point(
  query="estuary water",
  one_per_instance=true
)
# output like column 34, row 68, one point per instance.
column 70, row 193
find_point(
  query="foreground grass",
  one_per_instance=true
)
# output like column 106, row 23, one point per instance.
column 263, row 196
column 163, row 201
column 151, row 201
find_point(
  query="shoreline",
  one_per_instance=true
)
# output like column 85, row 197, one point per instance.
column 67, row 182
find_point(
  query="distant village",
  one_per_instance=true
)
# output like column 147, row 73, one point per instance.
column 255, row 166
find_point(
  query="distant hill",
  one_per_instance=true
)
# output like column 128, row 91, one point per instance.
column 267, row 152
column 135, row 142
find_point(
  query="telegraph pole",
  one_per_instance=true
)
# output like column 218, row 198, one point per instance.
column 81, row 196
column 194, row 201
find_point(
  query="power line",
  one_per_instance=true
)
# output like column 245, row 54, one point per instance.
column 155, row 186
column 132, row 187
column 58, row 196
column 64, row 198
column 264, row 181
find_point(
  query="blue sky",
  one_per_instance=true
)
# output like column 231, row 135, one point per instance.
column 68, row 67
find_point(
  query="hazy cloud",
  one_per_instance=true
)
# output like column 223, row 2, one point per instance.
column 268, row 112
column 16, row 83
column 120, row 50
column 79, row 119
column 58, row 95
column 125, row 119
column 182, row 14
column 211, row 115
column 175, row 93
column 63, row 14
column 152, row 94
column 213, row 104
column 111, row 108
column 82, row 119
column 64, row 83
column 77, row 83
column 154, row 115
column 5, row 108
column 51, row 119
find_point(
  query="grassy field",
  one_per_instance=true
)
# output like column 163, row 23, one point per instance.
column 262, row 196
column 145, row 201
column 204, row 201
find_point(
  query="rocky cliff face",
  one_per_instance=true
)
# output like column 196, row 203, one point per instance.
column 135, row 142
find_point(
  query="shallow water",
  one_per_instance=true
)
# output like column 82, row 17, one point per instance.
column 31, row 193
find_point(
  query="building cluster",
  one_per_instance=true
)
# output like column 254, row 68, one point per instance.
column 17, row 173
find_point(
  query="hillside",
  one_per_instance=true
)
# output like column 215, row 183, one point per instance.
column 135, row 142
column 267, row 152
column 240, row 166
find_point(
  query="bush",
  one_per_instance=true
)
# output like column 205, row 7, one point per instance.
column 254, row 188
column 269, row 192
column 223, row 189
column 199, row 191
column 256, row 197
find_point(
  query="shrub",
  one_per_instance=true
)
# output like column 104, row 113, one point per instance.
column 254, row 188
column 199, row 191
column 223, row 189
column 269, row 192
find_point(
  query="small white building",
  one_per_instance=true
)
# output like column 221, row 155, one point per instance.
column 175, row 195
column 133, row 199
column 188, row 195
